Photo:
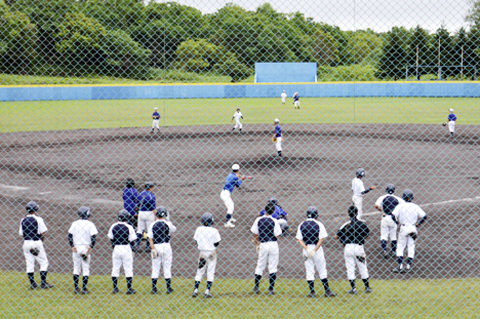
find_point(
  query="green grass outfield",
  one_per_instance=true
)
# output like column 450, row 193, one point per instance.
column 414, row 298
column 68, row 115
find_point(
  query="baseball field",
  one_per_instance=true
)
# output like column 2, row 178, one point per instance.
column 67, row 154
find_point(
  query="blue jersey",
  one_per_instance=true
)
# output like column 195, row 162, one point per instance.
column 279, row 213
column 231, row 182
column 130, row 200
column 278, row 131
column 147, row 201
column 296, row 97
column 156, row 115
column 452, row 117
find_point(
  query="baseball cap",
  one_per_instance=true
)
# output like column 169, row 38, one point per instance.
column 235, row 167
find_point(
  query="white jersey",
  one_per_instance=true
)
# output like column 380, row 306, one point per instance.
column 408, row 213
column 237, row 115
column 379, row 201
column 206, row 237
column 42, row 228
column 284, row 96
column 357, row 187
column 82, row 230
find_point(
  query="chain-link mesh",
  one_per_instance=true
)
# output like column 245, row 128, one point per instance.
column 100, row 98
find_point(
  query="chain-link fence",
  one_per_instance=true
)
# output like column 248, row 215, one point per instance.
column 252, row 145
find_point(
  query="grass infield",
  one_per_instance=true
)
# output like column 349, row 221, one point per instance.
column 69, row 115
column 414, row 298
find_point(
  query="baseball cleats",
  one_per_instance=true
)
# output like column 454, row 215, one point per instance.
column 131, row 292
column 46, row 285
column 256, row 290
column 115, row 291
column 408, row 267
column 311, row 294
column 195, row 293
column 34, row 286
column 368, row 290
column 384, row 254
column 207, row 294
column 229, row 224
column 85, row 292
column 353, row 291
column 76, row 291
column 399, row 269
column 170, row 290
column 154, row 291
column 329, row 293
column 271, row 292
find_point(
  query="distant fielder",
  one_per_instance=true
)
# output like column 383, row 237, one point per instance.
column 156, row 119
column 277, row 137
column 237, row 116
column 296, row 100
column 452, row 119
column 358, row 190
column 284, row 97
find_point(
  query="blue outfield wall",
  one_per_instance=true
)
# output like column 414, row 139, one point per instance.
column 220, row 91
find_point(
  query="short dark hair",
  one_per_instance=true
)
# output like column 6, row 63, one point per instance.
column 130, row 183
column 270, row 209
column 352, row 211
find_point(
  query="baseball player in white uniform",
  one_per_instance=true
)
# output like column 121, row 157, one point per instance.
column 284, row 97
column 122, row 235
column 266, row 230
column 237, row 116
column 208, row 239
column 358, row 190
column 310, row 235
column 81, row 237
column 159, row 239
column 452, row 119
column 408, row 215
column 388, row 227
column 33, row 229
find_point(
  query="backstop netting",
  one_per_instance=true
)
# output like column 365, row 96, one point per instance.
column 152, row 107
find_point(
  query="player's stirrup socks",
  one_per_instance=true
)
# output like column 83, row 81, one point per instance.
column 384, row 245
column 325, row 284
column 311, row 285
column 168, row 282
column 280, row 153
column 31, row 277
column 229, row 216
column 43, row 277
column 409, row 260
column 129, row 283
column 366, row 282
column 352, row 283
column 115, row 282
column 197, row 284
column 394, row 245
column 85, row 282
column 154, row 283
column 257, row 280
column 75, row 280
column 273, row 277
column 400, row 260
column 209, row 284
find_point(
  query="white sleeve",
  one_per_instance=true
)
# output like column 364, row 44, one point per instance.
column 379, row 202
column 254, row 228
column 20, row 230
column 93, row 229
column 150, row 230
column 299, row 235
column 132, row 236
column 421, row 212
column 196, row 234
column 396, row 211
column 70, row 230
column 217, row 237
column 110, row 232
column 323, row 232
column 41, row 226
column 278, row 230
column 400, row 200
column 172, row 227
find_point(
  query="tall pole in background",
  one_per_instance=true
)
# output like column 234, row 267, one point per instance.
column 461, row 65
column 439, row 70
column 417, row 63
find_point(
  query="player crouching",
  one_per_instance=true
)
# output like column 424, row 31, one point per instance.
column 208, row 239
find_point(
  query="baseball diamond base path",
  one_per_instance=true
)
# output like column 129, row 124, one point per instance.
column 66, row 169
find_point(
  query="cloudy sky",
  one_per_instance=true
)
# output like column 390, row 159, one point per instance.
column 379, row 15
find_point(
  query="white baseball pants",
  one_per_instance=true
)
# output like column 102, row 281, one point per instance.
column 226, row 196
column 388, row 228
column 30, row 259
column 358, row 202
column 211, row 262
column 278, row 144
column 284, row 99
column 317, row 261
column 164, row 255
column 297, row 103
column 238, row 124
column 145, row 219
column 405, row 240
column 355, row 256
column 451, row 126
column 122, row 256
column 78, row 263
column 268, row 253
column 155, row 124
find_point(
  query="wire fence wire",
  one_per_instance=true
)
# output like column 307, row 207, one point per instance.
column 103, row 99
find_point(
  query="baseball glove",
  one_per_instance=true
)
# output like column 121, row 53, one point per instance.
column 85, row 257
column 274, row 139
column 444, row 124
column 34, row 251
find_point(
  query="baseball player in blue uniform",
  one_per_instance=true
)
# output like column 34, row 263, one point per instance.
column 296, row 100
column 130, row 199
column 81, row 237
column 234, row 179
column 310, row 236
column 352, row 235
column 277, row 137
column 266, row 230
column 279, row 214
column 159, row 239
column 33, row 229
column 409, row 216
column 156, row 119
column 451, row 119
column 122, row 235
column 146, row 212
column 388, row 227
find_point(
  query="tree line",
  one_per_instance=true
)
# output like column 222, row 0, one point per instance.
column 128, row 38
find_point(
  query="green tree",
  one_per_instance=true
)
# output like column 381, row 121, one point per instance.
column 394, row 54
column 365, row 46
column 444, row 45
column 200, row 55
column 423, row 43
column 474, row 13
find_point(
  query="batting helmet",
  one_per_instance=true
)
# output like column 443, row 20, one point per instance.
column 360, row 172
column 207, row 219
column 149, row 185
column 130, row 183
column 312, row 212
column 276, row 120
column 123, row 215
column 235, row 167
column 352, row 211
column 31, row 207
column 273, row 200
column 161, row 212
column 83, row 212
column 407, row 195
column 390, row 189
column 238, row 109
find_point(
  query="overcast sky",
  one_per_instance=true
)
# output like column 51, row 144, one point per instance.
column 379, row 15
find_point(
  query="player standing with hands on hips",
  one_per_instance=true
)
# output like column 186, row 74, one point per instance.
column 208, row 239
column 33, row 229
column 277, row 137
column 266, row 230
column 352, row 235
column 310, row 236
column 234, row 179
column 81, row 237
column 284, row 97
column 452, row 119
column 159, row 240
column 296, row 100
column 237, row 116
column 156, row 119
column 359, row 190
column 409, row 216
